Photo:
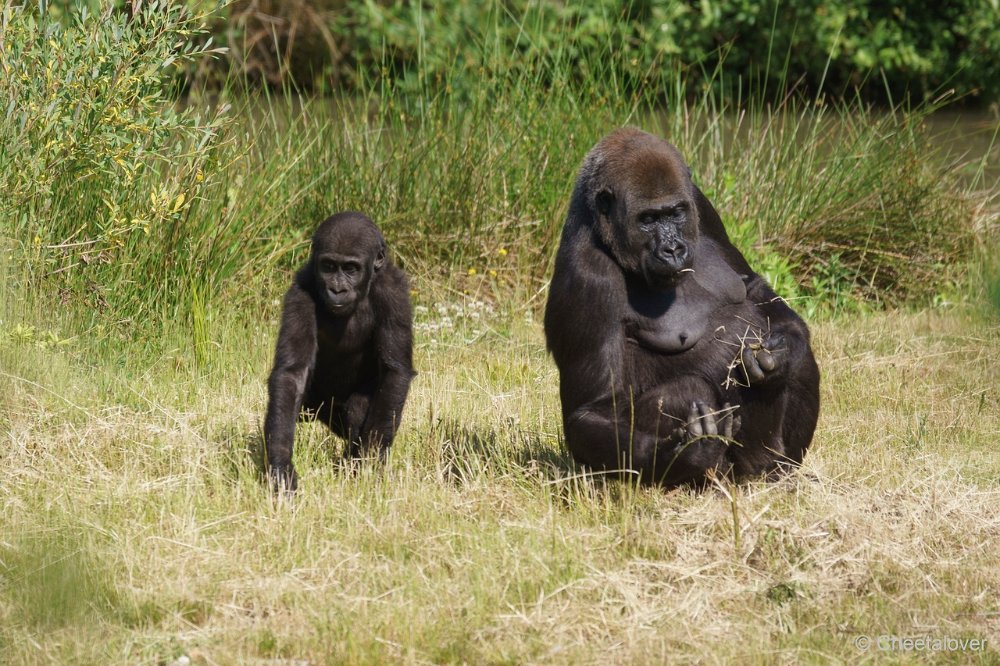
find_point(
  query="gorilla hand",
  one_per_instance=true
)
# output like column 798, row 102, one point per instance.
column 764, row 362
column 283, row 478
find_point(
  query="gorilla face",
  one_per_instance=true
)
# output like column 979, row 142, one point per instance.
column 343, row 280
column 346, row 255
column 646, row 214
column 665, row 239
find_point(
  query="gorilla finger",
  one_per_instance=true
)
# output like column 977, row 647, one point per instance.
column 708, row 419
column 694, row 422
column 766, row 360
column 727, row 421
column 775, row 341
column 751, row 368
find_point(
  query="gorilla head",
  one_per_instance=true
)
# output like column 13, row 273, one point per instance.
column 347, row 251
column 642, row 203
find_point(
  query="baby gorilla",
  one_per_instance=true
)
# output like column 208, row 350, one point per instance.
column 345, row 348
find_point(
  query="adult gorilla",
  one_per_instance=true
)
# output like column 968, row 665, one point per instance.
column 674, row 357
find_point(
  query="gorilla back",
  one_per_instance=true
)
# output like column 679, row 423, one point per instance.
column 675, row 358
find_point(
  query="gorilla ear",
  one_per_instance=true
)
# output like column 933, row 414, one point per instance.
column 380, row 257
column 604, row 200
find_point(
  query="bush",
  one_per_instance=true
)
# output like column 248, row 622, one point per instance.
column 142, row 212
column 98, row 165
column 855, row 200
column 886, row 51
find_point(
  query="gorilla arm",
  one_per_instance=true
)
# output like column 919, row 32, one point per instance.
column 781, row 374
column 394, row 350
column 294, row 358
column 786, row 347
column 587, row 344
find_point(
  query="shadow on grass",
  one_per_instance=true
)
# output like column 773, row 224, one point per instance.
column 60, row 574
column 243, row 454
column 469, row 451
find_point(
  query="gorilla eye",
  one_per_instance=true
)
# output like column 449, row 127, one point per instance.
column 604, row 201
column 327, row 266
column 352, row 268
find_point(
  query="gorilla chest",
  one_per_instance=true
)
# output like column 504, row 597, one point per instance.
column 345, row 352
column 672, row 321
column 685, row 331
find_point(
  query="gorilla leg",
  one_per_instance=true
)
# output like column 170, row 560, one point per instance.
column 345, row 419
column 673, row 434
column 802, row 410
column 355, row 413
column 693, row 431
column 778, row 421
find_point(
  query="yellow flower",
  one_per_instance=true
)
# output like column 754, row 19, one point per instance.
column 472, row 271
column 502, row 252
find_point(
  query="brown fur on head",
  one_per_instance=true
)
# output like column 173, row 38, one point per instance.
column 638, row 193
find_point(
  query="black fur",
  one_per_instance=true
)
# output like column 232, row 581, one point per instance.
column 345, row 349
column 675, row 358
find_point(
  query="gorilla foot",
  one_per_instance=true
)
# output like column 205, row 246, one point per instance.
column 283, row 478
column 707, row 424
column 700, row 445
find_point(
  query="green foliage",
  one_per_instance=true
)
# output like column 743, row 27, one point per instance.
column 154, row 216
column 853, row 198
column 776, row 268
column 887, row 51
column 87, row 102
column 94, row 155
column 19, row 335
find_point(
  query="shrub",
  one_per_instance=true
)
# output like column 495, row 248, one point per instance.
column 95, row 157
column 143, row 211
column 886, row 51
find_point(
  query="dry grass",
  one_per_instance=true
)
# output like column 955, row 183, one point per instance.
column 134, row 528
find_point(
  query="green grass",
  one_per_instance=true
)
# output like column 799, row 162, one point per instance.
column 136, row 527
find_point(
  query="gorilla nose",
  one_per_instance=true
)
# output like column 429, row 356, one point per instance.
column 337, row 297
column 674, row 253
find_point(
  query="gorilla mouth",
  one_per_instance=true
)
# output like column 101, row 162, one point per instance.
column 665, row 273
column 336, row 301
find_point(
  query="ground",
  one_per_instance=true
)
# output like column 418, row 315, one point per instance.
column 136, row 529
